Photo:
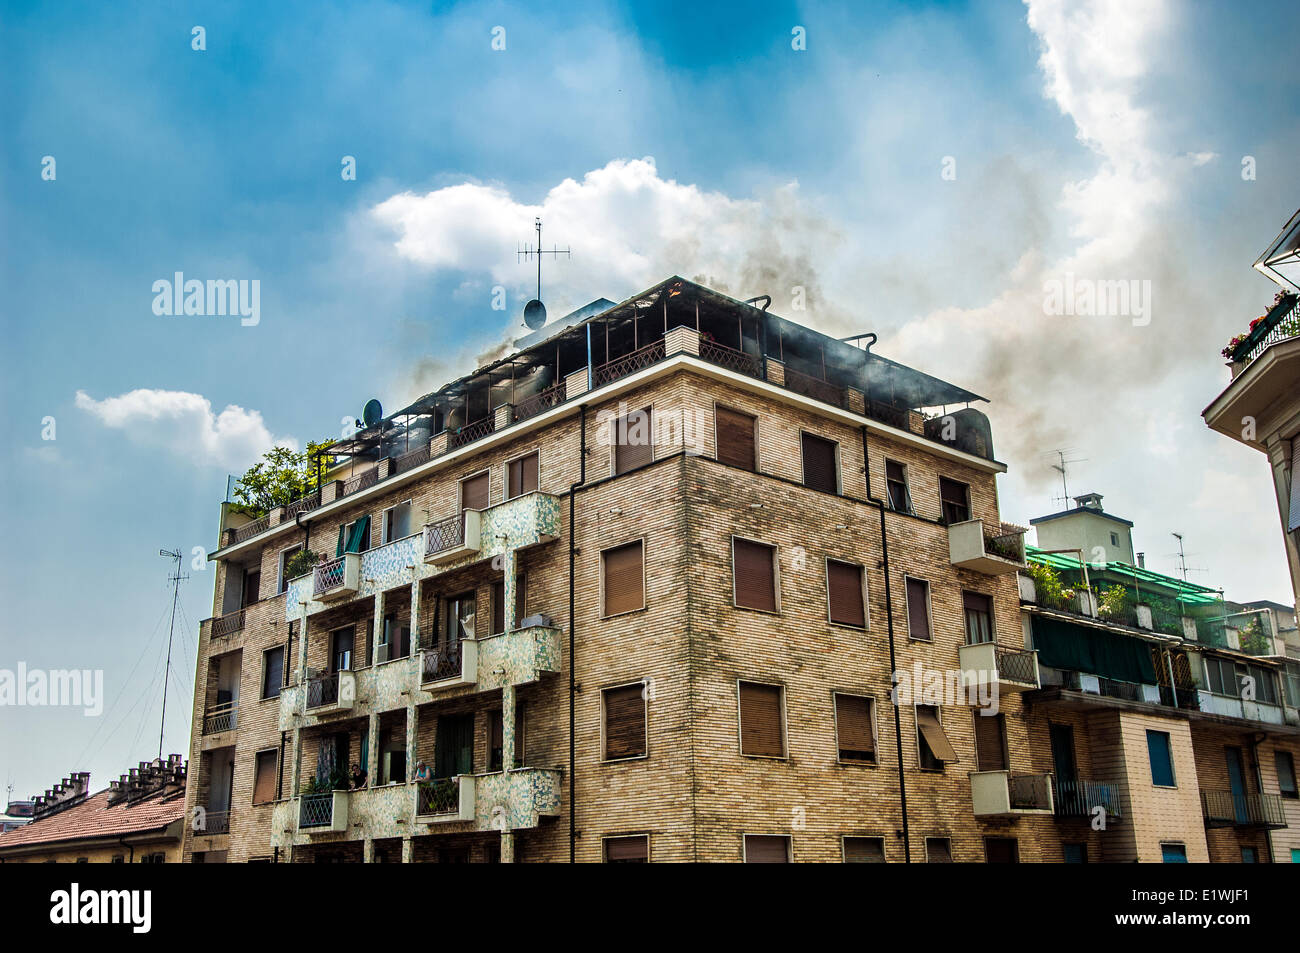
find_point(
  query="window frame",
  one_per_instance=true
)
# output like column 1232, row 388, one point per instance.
column 1169, row 749
column 907, row 488
column 947, row 842
column 784, row 726
column 993, row 629
column 862, row 581
column 505, row 484
column 742, row 413
column 263, row 680
column 385, row 518
column 282, row 581
column 871, row 717
column 845, row 838
column 606, row 838
column 275, row 768
column 639, row 540
column 460, row 488
column 645, row 723
column 916, row 727
column 744, row 846
column 1280, row 756
column 929, row 613
column 943, row 512
column 614, row 471
column 839, row 468
column 776, row 574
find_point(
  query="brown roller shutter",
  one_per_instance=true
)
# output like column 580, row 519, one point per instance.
column 499, row 603
column 760, row 720
column 844, row 582
column 633, row 441
column 474, row 493
column 918, row 609
column 938, row 850
column 521, row 476
column 627, row 850
column 990, row 749
column 735, row 436
column 927, row 724
column 864, row 850
column 624, row 722
column 753, row 569
column 766, row 849
column 853, row 725
column 624, row 579
column 819, row 471
column 264, row 781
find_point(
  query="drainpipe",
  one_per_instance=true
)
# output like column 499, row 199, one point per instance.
column 893, row 665
column 573, row 552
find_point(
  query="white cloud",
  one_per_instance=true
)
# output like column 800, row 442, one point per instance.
column 185, row 425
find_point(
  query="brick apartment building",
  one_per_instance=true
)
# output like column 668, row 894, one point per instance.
column 636, row 593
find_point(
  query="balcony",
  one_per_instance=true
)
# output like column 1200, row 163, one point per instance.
column 337, row 578
column 518, row 657
column 1014, row 670
column 446, row 665
column 971, row 546
column 1225, row 809
column 1080, row 799
column 540, row 402
column 629, row 363
column 452, row 538
column 1280, row 323
column 331, row 692
column 214, row 822
column 226, row 625
column 445, row 800
column 323, row 813
column 219, row 718
column 1001, row 794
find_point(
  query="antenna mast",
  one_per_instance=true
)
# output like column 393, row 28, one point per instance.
column 175, row 578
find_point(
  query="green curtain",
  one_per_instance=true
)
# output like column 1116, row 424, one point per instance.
column 360, row 533
column 1082, row 649
column 342, row 541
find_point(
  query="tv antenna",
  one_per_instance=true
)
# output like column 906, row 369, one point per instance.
column 1182, row 559
column 535, row 311
column 1062, row 467
column 175, row 578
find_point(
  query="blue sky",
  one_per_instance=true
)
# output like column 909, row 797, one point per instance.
column 1088, row 138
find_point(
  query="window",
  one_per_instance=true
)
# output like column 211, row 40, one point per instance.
column 496, row 762
column 761, row 729
column 954, row 500
column 932, row 744
column 1286, row 780
column 753, row 572
column 1222, row 676
column 627, row 850
column 767, row 849
column 119, row 859
column 1075, row 853
column 272, row 672
column 521, row 476
column 354, row 537
column 1173, row 854
column 1114, row 539
column 397, row 522
column 625, row 723
column 158, row 858
column 1249, row 856
column 474, row 492
column 844, row 592
column 864, row 850
column 820, row 468
column 499, row 603
column 264, row 777
column 285, row 556
column 855, row 729
column 633, row 440
column 1162, row 760
column 252, row 588
column 938, row 850
column 990, row 742
column 734, row 435
column 978, row 609
column 918, row 609
column 1001, row 850
column 394, row 639
column 623, row 578
column 900, row 498
column 1265, row 685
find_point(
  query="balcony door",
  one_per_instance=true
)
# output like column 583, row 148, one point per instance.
column 1237, row 783
column 454, row 746
column 1067, row 771
column 460, row 614
column 341, row 645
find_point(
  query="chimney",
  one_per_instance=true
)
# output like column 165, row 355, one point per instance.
column 1142, row 560
column 1089, row 501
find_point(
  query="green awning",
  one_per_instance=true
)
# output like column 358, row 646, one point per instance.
column 1079, row 648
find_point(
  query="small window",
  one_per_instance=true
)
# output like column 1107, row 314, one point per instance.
column 954, row 499
column 1075, row 853
column 627, row 850
column 499, row 603
column 1160, row 753
column 633, row 441
column 761, row 728
column 820, row 464
column 1001, row 850
column 767, row 849
column 900, row 497
column 734, row 433
column 753, row 571
column 990, row 741
column 264, row 777
column 1249, row 856
column 855, row 729
column 978, row 609
column 521, row 476
column 475, row 492
column 1286, row 780
column 1173, row 854
column 623, row 578
column 285, row 556
column 864, row 850
column 932, row 743
column 938, row 850
column 625, row 722
column 272, row 672
column 1114, row 539
column 845, row 595
column 918, row 609
column 397, row 522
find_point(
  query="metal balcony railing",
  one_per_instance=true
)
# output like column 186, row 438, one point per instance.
column 1079, row 798
column 329, row 574
column 889, row 414
column 814, row 387
column 440, row 660
column 1223, row 808
column 362, row 481
column 249, row 530
column 228, row 624
column 216, row 822
column 219, row 718
column 444, row 535
column 730, row 358
column 1030, row 792
column 471, row 432
column 316, row 810
column 1015, row 665
column 1008, row 542
column 630, row 363
column 309, row 502
column 409, row 461
column 439, row 796
column 1281, row 322
column 539, row 402
column 323, row 690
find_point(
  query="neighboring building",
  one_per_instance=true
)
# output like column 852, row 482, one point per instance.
column 1261, row 407
column 1278, row 622
column 15, row 815
column 137, row 819
column 1100, row 536
column 626, row 595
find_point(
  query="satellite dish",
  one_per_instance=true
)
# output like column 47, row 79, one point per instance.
column 534, row 314
column 372, row 413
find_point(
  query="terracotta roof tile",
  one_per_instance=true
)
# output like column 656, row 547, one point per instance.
column 94, row 817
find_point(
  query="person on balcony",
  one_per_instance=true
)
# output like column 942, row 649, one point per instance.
column 422, row 772
column 358, row 778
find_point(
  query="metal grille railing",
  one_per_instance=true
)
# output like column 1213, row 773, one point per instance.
column 1243, row 810
column 440, row 660
column 249, row 530
column 888, row 414
column 228, row 623
column 362, row 481
column 439, row 796
column 316, row 810
column 309, row 502
column 1030, row 792
column 471, row 432
column 1080, row 798
column 216, row 822
column 1015, row 665
column 817, row 389
column 444, row 535
column 629, row 363
column 543, row 400
column 323, row 690
column 1188, row 699
column 219, row 718
column 730, row 358
column 409, row 461
column 329, row 574
column 1008, row 542
column 1281, row 322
